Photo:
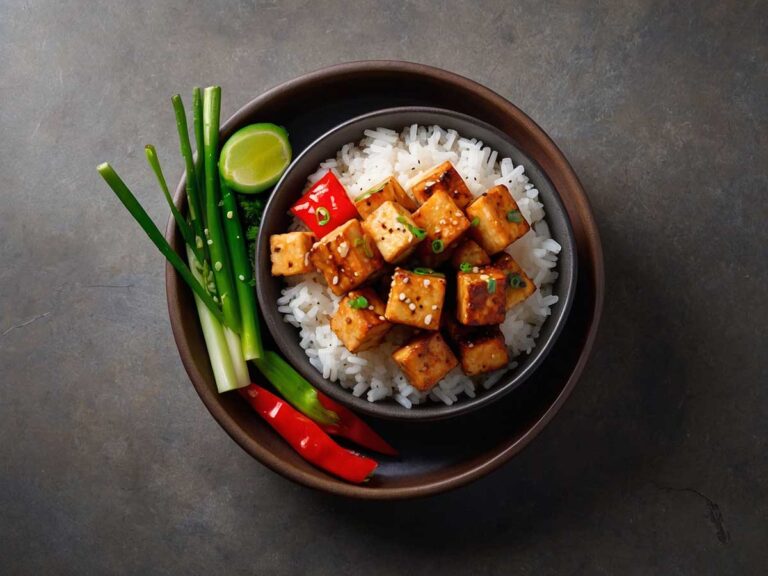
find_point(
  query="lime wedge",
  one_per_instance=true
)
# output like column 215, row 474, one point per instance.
column 254, row 158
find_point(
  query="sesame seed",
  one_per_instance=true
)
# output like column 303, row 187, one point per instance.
column 381, row 318
column 230, row 215
column 217, row 266
column 434, row 306
column 335, row 280
column 241, row 278
column 198, row 242
column 406, row 280
column 370, row 307
column 484, row 276
column 411, row 306
column 475, row 269
column 402, row 296
column 210, row 242
column 428, row 319
column 426, row 282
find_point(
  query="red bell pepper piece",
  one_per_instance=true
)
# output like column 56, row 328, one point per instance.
column 352, row 427
column 325, row 206
column 307, row 438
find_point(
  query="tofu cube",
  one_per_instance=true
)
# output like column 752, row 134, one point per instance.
column 499, row 220
column 359, row 321
column 482, row 350
column 481, row 297
column 443, row 222
column 389, row 190
column 416, row 299
column 346, row 257
column 519, row 285
column 425, row 360
column 289, row 253
column 391, row 227
column 469, row 253
column 445, row 178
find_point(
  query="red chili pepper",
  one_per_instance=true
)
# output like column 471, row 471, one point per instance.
column 351, row 427
column 307, row 438
column 325, row 206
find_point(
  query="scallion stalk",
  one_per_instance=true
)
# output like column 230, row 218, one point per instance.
column 250, row 334
column 193, row 199
column 181, row 222
column 217, row 244
column 139, row 214
column 197, row 122
column 229, row 369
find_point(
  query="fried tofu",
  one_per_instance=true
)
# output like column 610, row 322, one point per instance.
column 359, row 321
column 388, row 190
column 481, row 297
column 444, row 224
column 346, row 257
column 499, row 220
column 470, row 253
column 289, row 253
column 392, row 228
column 481, row 350
column 519, row 285
column 425, row 360
column 416, row 299
column 445, row 178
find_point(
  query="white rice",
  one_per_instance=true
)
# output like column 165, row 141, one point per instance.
column 308, row 304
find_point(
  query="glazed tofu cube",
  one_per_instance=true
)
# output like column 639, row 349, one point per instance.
column 482, row 350
column 481, row 297
column 499, row 220
column 389, row 190
column 359, row 321
column 443, row 178
column 469, row 253
column 519, row 285
column 289, row 253
column 416, row 299
column 443, row 222
column 391, row 227
column 425, row 360
column 346, row 257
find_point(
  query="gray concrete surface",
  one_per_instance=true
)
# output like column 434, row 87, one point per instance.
column 109, row 463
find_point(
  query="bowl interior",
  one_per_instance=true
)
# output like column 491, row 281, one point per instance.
column 289, row 189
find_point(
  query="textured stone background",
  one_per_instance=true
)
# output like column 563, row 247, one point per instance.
column 658, row 463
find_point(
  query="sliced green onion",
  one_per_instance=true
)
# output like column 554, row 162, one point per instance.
column 363, row 242
column 514, row 216
column 516, row 281
column 419, row 233
column 438, row 246
column 475, row 222
column 427, row 272
column 358, row 303
column 369, row 193
column 322, row 216
column 491, row 285
column 465, row 267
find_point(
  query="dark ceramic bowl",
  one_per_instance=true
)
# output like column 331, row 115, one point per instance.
column 289, row 189
column 448, row 453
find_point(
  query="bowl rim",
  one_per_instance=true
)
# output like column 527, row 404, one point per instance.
column 483, row 465
column 285, row 334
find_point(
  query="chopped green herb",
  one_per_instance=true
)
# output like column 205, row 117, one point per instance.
column 427, row 272
column 465, row 267
column 361, row 242
column 491, row 285
column 323, row 216
column 369, row 193
column 359, row 302
column 437, row 246
column 475, row 222
column 419, row 233
column 514, row 216
column 515, row 280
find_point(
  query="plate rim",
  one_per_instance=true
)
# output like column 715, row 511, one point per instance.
column 510, row 448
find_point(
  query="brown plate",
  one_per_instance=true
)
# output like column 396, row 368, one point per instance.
column 441, row 455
